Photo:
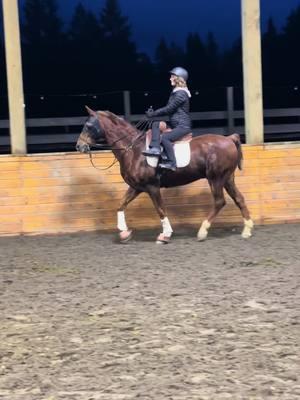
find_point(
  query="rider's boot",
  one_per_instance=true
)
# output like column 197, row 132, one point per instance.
column 154, row 148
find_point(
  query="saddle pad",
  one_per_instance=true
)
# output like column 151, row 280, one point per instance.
column 182, row 154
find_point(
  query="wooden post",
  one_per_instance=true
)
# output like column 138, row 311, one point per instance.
column 230, row 110
column 252, row 71
column 14, row 76
column 127, row 106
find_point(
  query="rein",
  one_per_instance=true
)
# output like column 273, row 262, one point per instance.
column 100, row 169
column 141, row 124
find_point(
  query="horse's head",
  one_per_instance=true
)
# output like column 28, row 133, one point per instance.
column 91, row 133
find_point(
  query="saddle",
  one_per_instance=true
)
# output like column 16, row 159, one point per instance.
column 163, row 129
column 181, row 147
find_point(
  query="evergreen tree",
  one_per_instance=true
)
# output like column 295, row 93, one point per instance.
column 271, row 55
column 43, row 47
column 232, row 65
column 177, row 55
column 41, row 24
column 212, row 61
column 85, row 40
column 290, row 43
column 84, row 28
column 195, row 60
column 119, row 56
column 3, row 83
column 162, row 54
column 115, row 26
column 165, row 59
column 292, row 27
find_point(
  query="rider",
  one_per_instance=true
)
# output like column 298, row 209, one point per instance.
column 177, row 109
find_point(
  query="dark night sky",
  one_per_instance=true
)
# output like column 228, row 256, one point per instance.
column 173, row 19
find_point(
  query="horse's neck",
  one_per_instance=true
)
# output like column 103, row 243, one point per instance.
column 120, row 138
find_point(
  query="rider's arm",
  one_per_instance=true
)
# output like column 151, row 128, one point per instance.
column 176, row 100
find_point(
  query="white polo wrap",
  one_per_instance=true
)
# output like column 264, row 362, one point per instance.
column 167, row 229
column 122, row 226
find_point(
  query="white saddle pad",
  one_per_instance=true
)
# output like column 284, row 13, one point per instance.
column 182, row 155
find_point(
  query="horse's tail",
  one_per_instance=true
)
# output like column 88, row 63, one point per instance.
column 236, row 140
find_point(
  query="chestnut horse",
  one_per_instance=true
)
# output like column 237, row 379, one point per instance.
column 213, row 157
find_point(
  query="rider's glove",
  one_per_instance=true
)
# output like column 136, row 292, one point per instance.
column 150, row 112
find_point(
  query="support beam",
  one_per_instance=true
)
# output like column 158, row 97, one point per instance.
column 14, row 76
column 254, row 127
column 230, row 109
column 127, row 105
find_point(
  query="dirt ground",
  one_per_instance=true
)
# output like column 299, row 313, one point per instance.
column 84, row 318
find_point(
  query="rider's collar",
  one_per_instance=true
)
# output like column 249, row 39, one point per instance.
column 183, row 88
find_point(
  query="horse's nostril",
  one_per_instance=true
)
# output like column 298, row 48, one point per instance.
column 82, row 148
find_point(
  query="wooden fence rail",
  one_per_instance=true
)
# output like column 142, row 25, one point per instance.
column 231, row 121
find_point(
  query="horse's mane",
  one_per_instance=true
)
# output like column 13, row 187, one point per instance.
column 118, row 121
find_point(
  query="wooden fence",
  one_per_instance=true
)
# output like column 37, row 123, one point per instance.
column 63, row 193
column 282, row 124
column 220, row 122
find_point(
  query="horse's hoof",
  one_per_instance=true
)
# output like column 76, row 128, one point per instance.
column 203, row 231
column 125, row 236
column 248, row 226
column 201, row 237
column 162, row 239
column 246, row 235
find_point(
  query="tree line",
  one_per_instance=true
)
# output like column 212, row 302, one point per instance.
column 96, row 53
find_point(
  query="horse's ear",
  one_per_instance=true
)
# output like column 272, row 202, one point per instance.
column 90, row 111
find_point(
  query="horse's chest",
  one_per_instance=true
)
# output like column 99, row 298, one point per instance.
column 139, row 178
column 130, row 179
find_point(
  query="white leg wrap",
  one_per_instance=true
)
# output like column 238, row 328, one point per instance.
column 122, row 226
column 248, row 226
column 203, row 231
column 167, row 229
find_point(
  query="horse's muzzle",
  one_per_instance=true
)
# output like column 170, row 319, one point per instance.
column 82, row 148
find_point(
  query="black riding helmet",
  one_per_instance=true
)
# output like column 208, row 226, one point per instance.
column 181, row 72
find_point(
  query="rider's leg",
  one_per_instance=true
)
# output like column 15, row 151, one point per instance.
column 155, row 141
column 167, row 139
column 154, row 147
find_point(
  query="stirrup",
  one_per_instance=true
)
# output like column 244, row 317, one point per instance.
column 152, row 152
column 168, row 165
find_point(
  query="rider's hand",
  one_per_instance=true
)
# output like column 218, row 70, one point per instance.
column 149, row 113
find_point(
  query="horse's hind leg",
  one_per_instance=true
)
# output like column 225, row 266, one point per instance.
column 216, row 187
column 155, row 195
column 125, row 234
column 238, row 198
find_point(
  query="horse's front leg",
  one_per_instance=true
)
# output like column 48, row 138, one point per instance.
column 125, row 234
column 165, row 236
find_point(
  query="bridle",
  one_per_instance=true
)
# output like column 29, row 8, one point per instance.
column 141, row 125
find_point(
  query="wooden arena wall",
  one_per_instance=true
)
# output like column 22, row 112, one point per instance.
column 53, row 193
